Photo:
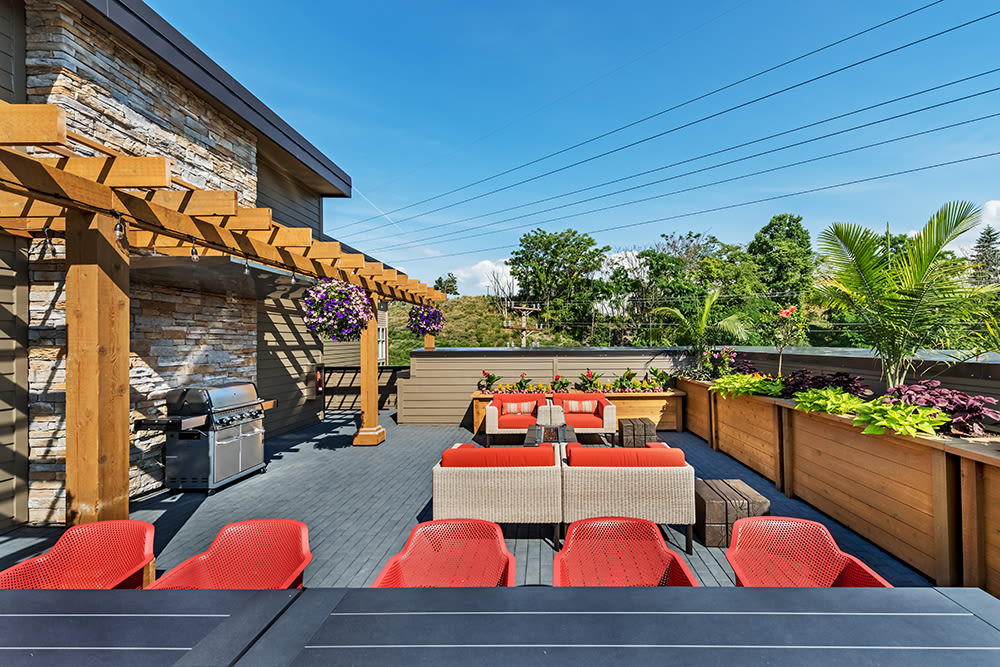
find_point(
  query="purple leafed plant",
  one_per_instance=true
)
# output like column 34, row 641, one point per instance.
column 804, row 380
column 337, row 310
column 425, row 320
column 967, row 412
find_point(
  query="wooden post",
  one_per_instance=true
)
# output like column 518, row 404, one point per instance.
column 97, row 362
column 973, row 524
column 946, row 511
column 371, row 432
column 428, row 341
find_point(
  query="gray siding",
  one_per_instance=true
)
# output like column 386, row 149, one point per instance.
column 342, row 354
column 287, row 355
column 292, row 204
column 13, row 382
column 12, row 79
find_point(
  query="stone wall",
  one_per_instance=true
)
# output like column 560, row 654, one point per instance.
column 126, row 101
column 178, row 338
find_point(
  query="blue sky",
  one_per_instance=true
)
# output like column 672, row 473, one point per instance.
column 416, row 99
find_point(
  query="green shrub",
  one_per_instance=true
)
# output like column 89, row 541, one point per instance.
column 745, row 385
column 831, row 399
column 900, row 418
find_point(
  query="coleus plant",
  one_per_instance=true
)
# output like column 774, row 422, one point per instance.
column 803, row 380
column 967, row 412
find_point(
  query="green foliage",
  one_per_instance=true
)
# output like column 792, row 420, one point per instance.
column 986, row 257
column 784, row 254
column 900, row 418
column 523, row 382
column 694, row 331
column 487, row 381
column 625, row 381
column 744, row 385
column 448, row 284
column 658, row 376
column 832, row 400
column 904, row 301
column 589, row 381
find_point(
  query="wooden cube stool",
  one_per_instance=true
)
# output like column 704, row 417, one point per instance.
column 720, row 502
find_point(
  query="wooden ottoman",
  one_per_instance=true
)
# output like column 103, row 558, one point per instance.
column 720, row 502
column 636, row 431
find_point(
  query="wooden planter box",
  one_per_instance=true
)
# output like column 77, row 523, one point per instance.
column 748, row 428
column 665, row 409
column 899, row 492
column 697, row 407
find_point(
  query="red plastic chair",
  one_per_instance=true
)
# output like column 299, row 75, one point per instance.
column 618, row 551
column 258, row 554
column 783, row 552
column 99, row 555
column 450, row 552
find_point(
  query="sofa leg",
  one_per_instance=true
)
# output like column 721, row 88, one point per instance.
column 487, row 439
column 557, row 535
column 690, row 539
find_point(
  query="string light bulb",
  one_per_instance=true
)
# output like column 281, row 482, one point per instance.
column 119, row 229
column 50, row 247
column 246, row 266
column 293, row 278
column 194, row 252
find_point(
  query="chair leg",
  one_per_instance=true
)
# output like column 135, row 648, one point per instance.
column 487, row 439
column 149, row 574
column 689, row 545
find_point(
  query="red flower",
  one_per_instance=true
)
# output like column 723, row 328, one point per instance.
column 558, row 377
column 523, row 374
column 589, row 374
column 787, row 312
column 485, row 373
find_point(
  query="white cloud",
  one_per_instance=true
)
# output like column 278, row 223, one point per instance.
column 991, row 213
column 430, row 252
column 475, row 279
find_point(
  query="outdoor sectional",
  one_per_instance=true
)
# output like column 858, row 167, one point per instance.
column 586, row 413
column 514, row 413
column 562, row 484
column 653, row 483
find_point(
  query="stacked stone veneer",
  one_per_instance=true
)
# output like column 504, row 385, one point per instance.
column 129, row 103
column 178, row 338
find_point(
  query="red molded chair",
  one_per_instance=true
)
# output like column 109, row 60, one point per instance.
column 618, row 551
column 450, row 552
column 258, row 554
column 99, row 555
column 783, row 552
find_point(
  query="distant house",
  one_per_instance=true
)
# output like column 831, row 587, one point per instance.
column 130, row 81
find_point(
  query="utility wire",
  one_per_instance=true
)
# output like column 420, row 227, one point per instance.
column 694, row 122
column 655, row 115
column 703, row 169
column 647, row 172
column 738, row 205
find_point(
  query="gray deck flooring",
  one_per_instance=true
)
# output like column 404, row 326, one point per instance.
column 361, row 502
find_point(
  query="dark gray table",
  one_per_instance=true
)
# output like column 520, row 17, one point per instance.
column 708, row 626
column 146, row 628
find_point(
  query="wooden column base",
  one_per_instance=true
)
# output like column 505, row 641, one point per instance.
column 369, row 436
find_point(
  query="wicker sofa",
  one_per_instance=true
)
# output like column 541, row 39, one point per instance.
column 516, row 417
column 600, row 418
column 505, row 485
column 653, row 483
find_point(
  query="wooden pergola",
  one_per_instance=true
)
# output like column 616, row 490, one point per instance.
column 102, row 207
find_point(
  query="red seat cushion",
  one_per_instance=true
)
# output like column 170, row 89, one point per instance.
column 583, row 420
column 504, row 457
column 516, row 421
column 608, row 457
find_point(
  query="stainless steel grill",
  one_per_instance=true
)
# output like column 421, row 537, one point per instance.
column 215, row 435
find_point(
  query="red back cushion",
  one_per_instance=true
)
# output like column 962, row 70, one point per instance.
column 625, row 457
column 501, row 457
column 518, row 408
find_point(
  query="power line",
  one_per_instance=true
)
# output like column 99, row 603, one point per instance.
column 690, row 123
column 421, row 240
column 732, row 206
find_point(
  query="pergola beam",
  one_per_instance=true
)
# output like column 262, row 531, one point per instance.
column 32, row 125
column 116, row 172
column 197, row 202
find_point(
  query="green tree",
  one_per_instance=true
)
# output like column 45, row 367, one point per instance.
column 986, row 257
column 697, row 331
column 555, row 268
column 448, row 284
column 907, row 300
column 784, row 254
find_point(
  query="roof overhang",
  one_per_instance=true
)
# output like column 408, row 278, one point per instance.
column 152, row 32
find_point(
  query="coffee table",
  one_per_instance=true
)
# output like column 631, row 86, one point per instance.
column 549, row 433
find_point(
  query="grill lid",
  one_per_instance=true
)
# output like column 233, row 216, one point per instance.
column 205, row 400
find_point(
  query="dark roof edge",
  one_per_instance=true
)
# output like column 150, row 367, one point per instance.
column 138, row 20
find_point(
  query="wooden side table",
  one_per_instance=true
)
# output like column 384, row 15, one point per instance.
column 720, row 502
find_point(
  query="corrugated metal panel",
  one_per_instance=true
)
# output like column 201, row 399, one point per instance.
column 14, row 374
column 291, row 203
column 287, row 355
column 12, row 78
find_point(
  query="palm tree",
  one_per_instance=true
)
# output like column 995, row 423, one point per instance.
column 906, row 300
column 695, row 331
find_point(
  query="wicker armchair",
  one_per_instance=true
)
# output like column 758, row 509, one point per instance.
column 663, row 495
column 501, row 422
column 504, row 494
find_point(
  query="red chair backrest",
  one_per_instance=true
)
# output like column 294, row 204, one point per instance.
column 98, row 555
column 618, row 551
column 450, row 553
column 257, row 554
column 758, row 543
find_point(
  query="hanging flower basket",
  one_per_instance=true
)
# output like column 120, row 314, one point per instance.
column 425, row 320
column 337, row 310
